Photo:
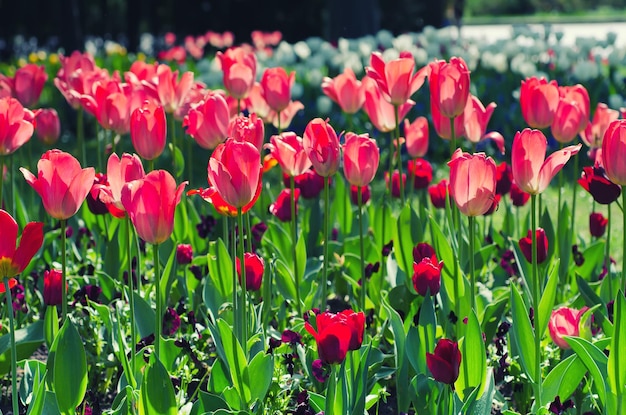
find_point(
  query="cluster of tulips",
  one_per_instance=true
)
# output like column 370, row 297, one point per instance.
column 411, row 279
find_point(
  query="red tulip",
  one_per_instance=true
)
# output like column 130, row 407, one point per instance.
column 336, row 334
column 310, row 183
column 565, row 322
column 525, row 245
column 416, row 137
column 394, row 183
column 151, row 203
column 148, row 129
column 504, row 178
column 472, row 182
column 572, row 113
column 248, row 129
column 597, row 224
column 356, row 323
column 119, row 172
column 518, row 196
column 77, row 75
column 396, row 79
column 212, row 196
column 360, row 159
column 539, row 100
column 593, row 134
column 422, row 172
column 366, row 192
column 426, row 270
column 282, row 207
column 255, row 267
column 444, row 364
column 235, row 171
column 12, row 260
column 613, row 150
column 171, row 91
column 184, row 254
column 532, row 172
column 256, row 102
column 345, row 90
column 16, row 125
column 61, row 183
column 380, row 112
column 27, row 84
column 288, row 149
column 239, row 67
column 322, row 146
column 449, row 86
column 52, row 292
column 276, row 87
column 207, row 122
column 438, row 193
column 595, row 181
column 48, row 126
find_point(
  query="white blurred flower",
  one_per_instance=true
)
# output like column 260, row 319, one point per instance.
column 146, row 43
column 302, row 50
column 496, row 61
column 403, row 42
column 324, row 105
column 385, row 38
column 615, row 101
column 585, row 70
column 521, row 65
column 284, row 54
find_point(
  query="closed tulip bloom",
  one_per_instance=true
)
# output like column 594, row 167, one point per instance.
column 442, row 123
column 276, row 87
column 366, row 193
column 148, row 130
column 565, row 322
column 171, row 91
column 449, row 86
column 94, row 204
column 593, row 134
column 445, row 362
column 613, row 150
column 360, row 159
column 282, row 207
column 380, row 112
column 13, row 260
column 356, row 323
column 151, row 203
column 571, row 116
column 322, row 146
column 422, row 173
column 345, row 90
column 394, row 183
column 597, row 224
column 235, row 171
column 426, row 270
column 472, row 182
column 504, row 178
column 396, row 79
column 48, row 126
column 61, row 183
column 109, row 101
column 184, row 254
column 416, row 137
column 438, row 193
column 595, row 181
column 207, row 122
column 27, row 84
column 288, row 149
column 532, row 172
column 333, row 337
column 119, row 172
column 16, row 125
column 539, row 100
column 52, row 293
column 255, row 267
column 518, row 196
column 250, row 129
column 525, row 245
column 239, row 68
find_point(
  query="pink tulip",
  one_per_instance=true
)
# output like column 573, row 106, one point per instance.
column 449, row 86
column 148, row 129
column 172, row 92
column 239, row 67
column 565, row 322
column 286, row 115
column 235, row 171
column 12, row 260
column 61, row 183
column 256, row 102
column 416, row 137
column 442, row 123
column 119, row 172
column 151, row 203
column 395, row 79
column 208, row 121
column 382, row 113
column 16, row 125
column 27, row 84
column 109, row 102
column 613, row 150
column 345, row 90
column 532, row 172
column 276, row 87
column 475, row 120
column 572, row 113
column 48, row 126
column 360, row 159
column 322, row 146
column 593, row 134
column 472, row 182
column 76, row 76
column 250, row 129
column 288, row 149
column 539, row 100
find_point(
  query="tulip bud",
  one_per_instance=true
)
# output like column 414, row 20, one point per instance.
column 445, row 362
column 52, row 287
column 525, row 245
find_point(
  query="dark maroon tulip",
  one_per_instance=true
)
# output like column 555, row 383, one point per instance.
column 518, row 196
column 255, row 267
column 310, row 183
column 597, row 224
column 395, row 183
column 184, row 254
column 438, row 194
column 525, row 245
column 427, row 276
column 95, row 205
column 365, row 194
column 595, row 181
column 423, row 172
column 504, row 178
column 282, row 207
column 423, row 250
column 52, row 287
column 444, row 364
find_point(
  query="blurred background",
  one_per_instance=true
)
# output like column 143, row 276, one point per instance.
column 67, row 23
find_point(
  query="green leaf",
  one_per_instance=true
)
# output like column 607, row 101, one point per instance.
column 179, row 160
column 547, row 298
column 492, row 314
column 181, row 222
column 563, row 379
column 157, row 392
column 522, row 335
column 592, row 299
column 34, row 373
column 211, row 402
column 426, row 329
column 402, row 374
column 220, row 268
column 408, row 232
column 594, row 360
column 27, row 339
column 70, row 368
column 616, row 364
column 284, row 279
column 235, row 360
column 483, row 405
column 144, row 316
column 51, row 324
column 262, row 369
column 342, row 206
column 473, row 370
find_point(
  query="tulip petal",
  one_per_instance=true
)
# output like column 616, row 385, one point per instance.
column 9, row 235
column 31, row 241
column 553, row 164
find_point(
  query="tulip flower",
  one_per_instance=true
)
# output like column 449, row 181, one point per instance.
column 48, row 126
column 336, row 334
column 77, row 75
column 532, row 172
column 288, row 149
column 356, row 323
column 235, row 171
column 595, row 181
column 255, row 267
column 207, row 122
column 27, row 84
column 475, row 120
column 518, row 196
column 322, row 146
column 394, row 183
column 438, row 193
column 426, row 270
column 256, row 103
column 597, row 224
column 572, row 113
column 504, row 178
column 310, row 184
column 449, row 86
column 360, row 159
column 95, row 205
column 416, row 137
column 593, row 134
column 276, row 87
column 148, row 130
column 239, row 68
column 539, row 100
column 171, row 91
column 184, row 254
column 16, row 125
column 366, row 193
column 525, row 245
column 61, row 183
column 248, row 129
column 109, row 102
column 565, row 322
column 283, row 119
column 420, row 172
column 119, row 172
column 380, row 112
column 345, row 90
column 613, row 150
column 472, row 182
column 445, row 362
column 396, row 79
column 281, row 207
column 52, row 293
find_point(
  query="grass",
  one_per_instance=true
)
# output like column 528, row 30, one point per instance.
column 600, row 15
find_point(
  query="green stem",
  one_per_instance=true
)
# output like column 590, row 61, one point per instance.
column 326, row 239
column 159, row 302
column 536, row 292
column 150, row 166
column 80, row 135
column 331, row 391
column 452, row 138
column 361, row 248
column 14, row 396
column 399, row 151
column 131, row 301
column 472, row 265
column 173, row 134
column 243, row 310
column 624, row 238
column 294, row 242
column 233, row 250
column 12, row 185
column 607, row 254
column 189, row 162
column 63, row 270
